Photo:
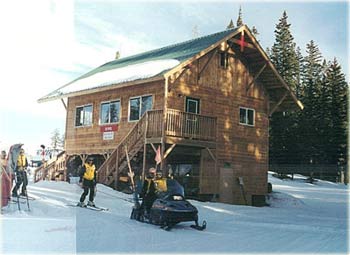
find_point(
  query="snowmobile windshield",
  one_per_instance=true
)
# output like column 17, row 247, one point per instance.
column 172, row 188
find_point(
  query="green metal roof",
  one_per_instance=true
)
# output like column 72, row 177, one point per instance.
column 177, row 52
column 180, row 51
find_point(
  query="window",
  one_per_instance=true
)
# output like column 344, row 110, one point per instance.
column 223, row 59
column 138, row 106
column 246, row 116
column 192, row 105
column 83, row 116
column 110, row 112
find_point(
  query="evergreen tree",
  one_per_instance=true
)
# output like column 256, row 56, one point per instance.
column 230, row 25
column 299, row 72
column 255, row 31
column 309, row 118
column 195, row 32
column 56, row 141
column 284, row 53
column 239, row 19
column 335, row 99
column 283, row 125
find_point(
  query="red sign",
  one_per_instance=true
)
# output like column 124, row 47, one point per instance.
column 109, row 128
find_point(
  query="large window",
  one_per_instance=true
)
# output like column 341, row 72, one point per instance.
column 138, row 106
column 110, row 112
column 83, row 116
column 246, row 116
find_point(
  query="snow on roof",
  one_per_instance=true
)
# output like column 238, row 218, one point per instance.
column 138, row 67
column 116, row 76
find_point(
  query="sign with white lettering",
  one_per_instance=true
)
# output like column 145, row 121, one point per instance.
column 108, row 128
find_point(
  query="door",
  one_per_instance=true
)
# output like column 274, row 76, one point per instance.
column 191, row 119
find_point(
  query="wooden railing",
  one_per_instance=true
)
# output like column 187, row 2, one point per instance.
column 190, row 125
column 178, row 124
column 49, row 169
column 113, row 163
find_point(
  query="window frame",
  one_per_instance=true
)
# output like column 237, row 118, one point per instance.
column 109, row 114
column 246, row 116
column 140, row 108
column 92, row 115
column 197, row 100
column 223, row 59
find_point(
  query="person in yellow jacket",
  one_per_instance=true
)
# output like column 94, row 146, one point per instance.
column 160, row 182
column 21, row 174
column 88, row 179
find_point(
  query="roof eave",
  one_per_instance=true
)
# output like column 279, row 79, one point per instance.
column 100, row 89
column 272, row 67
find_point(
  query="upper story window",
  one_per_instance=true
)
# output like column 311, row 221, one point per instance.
column 223, row 59
column 192, row 105
column 83, row 115
column 246, row 116
column 138, row 106
column 110, row 112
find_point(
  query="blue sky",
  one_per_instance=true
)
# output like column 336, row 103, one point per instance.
column 47, row 43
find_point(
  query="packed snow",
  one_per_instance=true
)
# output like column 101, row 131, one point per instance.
column 301, row 218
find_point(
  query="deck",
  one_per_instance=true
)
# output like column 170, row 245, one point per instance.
column 181, row 128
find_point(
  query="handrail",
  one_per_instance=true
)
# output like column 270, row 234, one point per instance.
column 134, row 135
column 55, row 164
column 178, row 124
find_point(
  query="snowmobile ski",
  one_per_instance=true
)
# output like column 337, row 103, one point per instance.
column 199, row 227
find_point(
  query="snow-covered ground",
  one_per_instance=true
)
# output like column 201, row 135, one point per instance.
column 301, row 218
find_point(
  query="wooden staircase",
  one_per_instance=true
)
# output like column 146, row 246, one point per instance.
column 52, row 169
column 134, row 142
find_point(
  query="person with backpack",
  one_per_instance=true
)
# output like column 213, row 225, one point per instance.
column 88, row 180
column 21, row 174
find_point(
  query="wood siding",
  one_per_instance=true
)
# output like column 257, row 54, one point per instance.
column 89, row 140
column 241, row 150
column 221, row 91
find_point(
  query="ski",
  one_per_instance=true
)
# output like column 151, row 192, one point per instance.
column 97, row 208
column 15, row 201
column 93, row 208
column 29, row 198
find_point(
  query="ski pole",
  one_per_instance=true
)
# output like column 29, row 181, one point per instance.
column 131, row 174
column 25, row 179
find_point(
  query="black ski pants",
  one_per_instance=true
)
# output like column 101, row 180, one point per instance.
column 88, row 185
column 21, row 178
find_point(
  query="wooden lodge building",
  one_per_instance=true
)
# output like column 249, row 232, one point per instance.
column 205, row 103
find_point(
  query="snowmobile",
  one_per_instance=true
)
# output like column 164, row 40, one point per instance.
column 169, row 209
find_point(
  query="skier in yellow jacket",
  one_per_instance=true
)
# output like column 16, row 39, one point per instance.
column 21, row 174
column 88, row 179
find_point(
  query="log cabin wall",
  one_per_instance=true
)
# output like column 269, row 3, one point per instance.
column 88, row 139
column 241, row 148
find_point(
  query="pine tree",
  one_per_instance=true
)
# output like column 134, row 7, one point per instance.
column 195, row 32
column 230, row 25
column 255, row 31
column 283, row 125
column 56, row 141
column 284, row 53
column 239, row 19
column 299, row 71
column 336, row 90
column 310, row 118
